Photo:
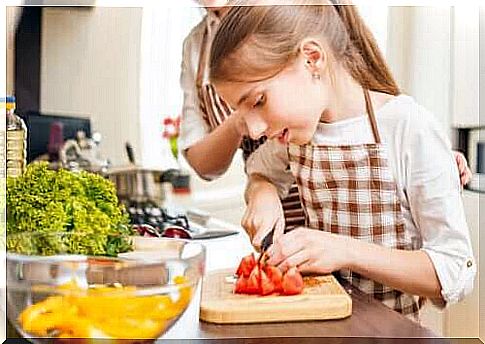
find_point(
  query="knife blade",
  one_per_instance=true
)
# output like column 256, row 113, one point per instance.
column 265, row 244
column 267, row 241
column 211, row 234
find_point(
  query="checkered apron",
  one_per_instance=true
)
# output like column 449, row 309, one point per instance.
column 350, row 190
column 215, row 110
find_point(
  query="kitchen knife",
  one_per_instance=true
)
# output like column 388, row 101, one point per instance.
column 265, row 244
column 267, row 241
column 211, row 234
column 198, row 231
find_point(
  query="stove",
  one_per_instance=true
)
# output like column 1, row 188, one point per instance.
column 151, row 220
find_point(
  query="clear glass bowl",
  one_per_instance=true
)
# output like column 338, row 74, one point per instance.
column 132, row 298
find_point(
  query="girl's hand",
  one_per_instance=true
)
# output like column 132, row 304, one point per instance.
column 463, row 168
column 311, row 251
column 264, row 211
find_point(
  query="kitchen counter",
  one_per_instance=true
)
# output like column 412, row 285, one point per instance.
column 369, row 317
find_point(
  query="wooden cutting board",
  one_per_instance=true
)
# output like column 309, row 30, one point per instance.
column 322, row 298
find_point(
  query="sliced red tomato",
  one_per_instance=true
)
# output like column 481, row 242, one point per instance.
column 267, row 286
column 276, row 277
column 292, row 282
column 254, row 281
column 265, row 279
column 241, row 285
column 246, row 265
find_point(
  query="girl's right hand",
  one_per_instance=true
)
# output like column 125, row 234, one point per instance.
column 264, row 211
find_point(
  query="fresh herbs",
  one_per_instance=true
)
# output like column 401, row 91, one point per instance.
column 66, row 212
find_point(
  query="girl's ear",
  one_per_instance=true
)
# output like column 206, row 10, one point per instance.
column 314, row 55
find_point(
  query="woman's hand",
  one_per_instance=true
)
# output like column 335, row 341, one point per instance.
column 264, row 211
column 311, row 251
column 463, row 168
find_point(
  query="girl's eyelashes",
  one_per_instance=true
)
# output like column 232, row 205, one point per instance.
column 260, row 100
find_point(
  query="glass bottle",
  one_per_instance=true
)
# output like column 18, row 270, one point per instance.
column 16, row 157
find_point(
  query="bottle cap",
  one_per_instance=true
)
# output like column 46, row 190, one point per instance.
column 7, row 102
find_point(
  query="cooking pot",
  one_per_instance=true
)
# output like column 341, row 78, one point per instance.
column 134, row 183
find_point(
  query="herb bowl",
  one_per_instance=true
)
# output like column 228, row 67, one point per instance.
column 66, row 298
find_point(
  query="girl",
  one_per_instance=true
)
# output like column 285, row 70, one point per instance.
column 376, row 176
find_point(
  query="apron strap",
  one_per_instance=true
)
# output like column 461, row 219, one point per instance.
column 202, row 60
column 372, row 117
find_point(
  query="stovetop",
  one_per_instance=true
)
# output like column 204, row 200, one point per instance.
column 149, row 219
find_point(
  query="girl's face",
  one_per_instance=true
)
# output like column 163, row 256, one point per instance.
column 286, row 107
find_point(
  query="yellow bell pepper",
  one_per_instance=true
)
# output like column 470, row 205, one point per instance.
column 104, row 312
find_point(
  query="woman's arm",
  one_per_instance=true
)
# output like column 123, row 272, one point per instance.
column 209, row 153
column 213, row 154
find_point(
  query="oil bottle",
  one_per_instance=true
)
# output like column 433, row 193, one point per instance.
column 16, row 141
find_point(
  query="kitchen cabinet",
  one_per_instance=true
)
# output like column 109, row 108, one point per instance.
column 462, row 319
column 481, row 265
column 465, row 65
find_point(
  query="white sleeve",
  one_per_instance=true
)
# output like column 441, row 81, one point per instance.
column 434, row 193
column 271, row 161
column 192, row 125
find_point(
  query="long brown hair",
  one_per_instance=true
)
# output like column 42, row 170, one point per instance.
column 257, row 42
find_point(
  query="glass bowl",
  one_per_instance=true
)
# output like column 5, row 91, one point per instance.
column 130, row 298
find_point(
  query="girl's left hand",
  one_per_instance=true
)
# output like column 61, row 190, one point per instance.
column 465, row 172
column 311, row 251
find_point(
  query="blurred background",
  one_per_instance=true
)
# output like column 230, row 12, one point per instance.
column 114, row 71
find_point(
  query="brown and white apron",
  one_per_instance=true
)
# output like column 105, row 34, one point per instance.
column 215, row 110
column 350, row 190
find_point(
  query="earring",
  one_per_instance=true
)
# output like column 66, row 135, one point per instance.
column 316, row 76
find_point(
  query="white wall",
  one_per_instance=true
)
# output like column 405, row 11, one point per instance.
column 90, row 65
column 376, row 18
column 162, row 35
column 121, row 66
column 13, row 16
column 419, row 54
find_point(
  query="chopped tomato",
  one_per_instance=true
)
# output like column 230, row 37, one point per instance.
column 292, row 282
column 267, row 286
column 264, row 279
column 254, row 281
column 276, row 277
column 246, row 266
column 241, row 285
